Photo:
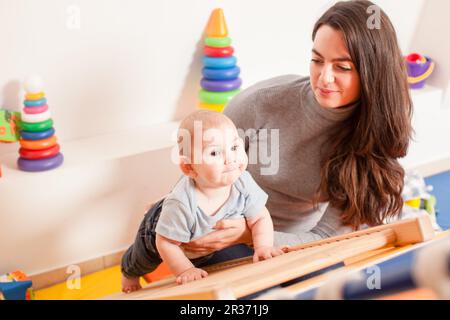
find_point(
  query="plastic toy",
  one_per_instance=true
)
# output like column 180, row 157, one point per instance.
column 221, row 98
column 221, row 74
column 36, row 117
column 37, row 126
column 40, row 164
column 16, row 286
column 39, row 148
column 220, row 80
column 38, row 144
column 34, row 110
column 39, row 154
column 221, row 85
column 8, row 126
column 419, row 69
column 418, row 199
column 38, row 135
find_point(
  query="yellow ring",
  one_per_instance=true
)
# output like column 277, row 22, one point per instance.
column 34, row 96
column 412, row 80
column 209, row 106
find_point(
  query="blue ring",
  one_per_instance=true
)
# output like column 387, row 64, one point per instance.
column 221, row 85
column 219, row 63
column 35, row 103
column 38, row 135
column 221, row 74
column 41, row 164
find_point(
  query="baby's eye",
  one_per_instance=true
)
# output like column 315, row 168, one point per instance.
column 235, row 147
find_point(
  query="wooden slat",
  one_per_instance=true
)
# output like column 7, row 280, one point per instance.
column 246, row 279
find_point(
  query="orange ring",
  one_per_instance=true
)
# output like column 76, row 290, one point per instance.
column 38, row 144
column 34, row 96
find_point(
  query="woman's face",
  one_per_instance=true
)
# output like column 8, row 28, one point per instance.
column 334, row 78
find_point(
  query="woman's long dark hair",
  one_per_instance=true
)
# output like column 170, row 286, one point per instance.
column 360, row 173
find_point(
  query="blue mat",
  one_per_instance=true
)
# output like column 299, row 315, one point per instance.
column 441, row 190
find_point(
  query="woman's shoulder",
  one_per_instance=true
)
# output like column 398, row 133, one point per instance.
column 279, row 84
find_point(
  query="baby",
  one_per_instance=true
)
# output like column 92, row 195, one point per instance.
column 214, row 186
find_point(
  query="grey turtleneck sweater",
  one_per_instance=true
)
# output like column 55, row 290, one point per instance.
column 290, row 172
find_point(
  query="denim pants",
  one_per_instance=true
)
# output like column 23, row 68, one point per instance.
column 142, row 256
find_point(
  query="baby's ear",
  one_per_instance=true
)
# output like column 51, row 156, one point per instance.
column 186, row 167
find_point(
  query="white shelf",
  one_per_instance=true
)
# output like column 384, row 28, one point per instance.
column 430, row 119
column 100, row 148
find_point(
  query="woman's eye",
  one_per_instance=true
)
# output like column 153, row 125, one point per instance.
column 316, row 61
column 344, row 68
column 214, row 153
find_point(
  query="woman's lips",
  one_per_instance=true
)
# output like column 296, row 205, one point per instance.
column 327, row 91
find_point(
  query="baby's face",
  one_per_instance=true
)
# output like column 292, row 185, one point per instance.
column 223, row 157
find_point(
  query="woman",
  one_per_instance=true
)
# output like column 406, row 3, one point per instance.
column 341, row 131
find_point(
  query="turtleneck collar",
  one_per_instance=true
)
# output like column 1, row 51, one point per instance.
column 330, row 114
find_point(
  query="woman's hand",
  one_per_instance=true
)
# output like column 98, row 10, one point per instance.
column 228, row 233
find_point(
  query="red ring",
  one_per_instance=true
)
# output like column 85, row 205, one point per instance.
column 39, row 154
column 218, row 52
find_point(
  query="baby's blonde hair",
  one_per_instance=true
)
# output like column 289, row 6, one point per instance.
column 208, row 120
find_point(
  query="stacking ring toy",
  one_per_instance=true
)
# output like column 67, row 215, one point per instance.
column 37, row 117
column 221, row 74
column 219, row 63
column 38, row 144
column 34, row 96
column 38, row 126
column 213, row 107
column 218, row 52
column 216, row 97
column 221, row 85
column 218, row 42
column 34, row 110
column 39, row 154
column 38, row 135
column 35, row 103
column 40, row 165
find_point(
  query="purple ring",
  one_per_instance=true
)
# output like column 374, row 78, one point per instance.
column 221, row 85
column 41, row 164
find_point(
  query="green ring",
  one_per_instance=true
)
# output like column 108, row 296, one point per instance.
column 216, row 97
column 37, row 126
column 218, row 42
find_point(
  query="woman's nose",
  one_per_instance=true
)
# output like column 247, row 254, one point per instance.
column 327, row 75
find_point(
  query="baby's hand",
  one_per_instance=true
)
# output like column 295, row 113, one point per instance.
column 264, row 253
column 191, row 274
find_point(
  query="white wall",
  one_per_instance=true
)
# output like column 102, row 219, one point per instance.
column 130, row 64
column 133, row 63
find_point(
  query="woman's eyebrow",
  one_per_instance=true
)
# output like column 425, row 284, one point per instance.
column 342, row 59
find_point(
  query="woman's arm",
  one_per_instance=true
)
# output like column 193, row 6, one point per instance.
column 329, row 225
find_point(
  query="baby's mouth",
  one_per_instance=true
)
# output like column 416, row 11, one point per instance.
column 231, row 169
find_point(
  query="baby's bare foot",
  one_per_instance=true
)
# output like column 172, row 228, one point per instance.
column 130, row 284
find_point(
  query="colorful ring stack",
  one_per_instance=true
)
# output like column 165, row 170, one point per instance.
column 39, row 148
column 220, row 80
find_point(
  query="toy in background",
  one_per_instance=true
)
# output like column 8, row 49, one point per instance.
column 9, row 132
column 16, row 286
column 220, row 80
column 39, row 148
column 417, row 198
column 419, row 69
